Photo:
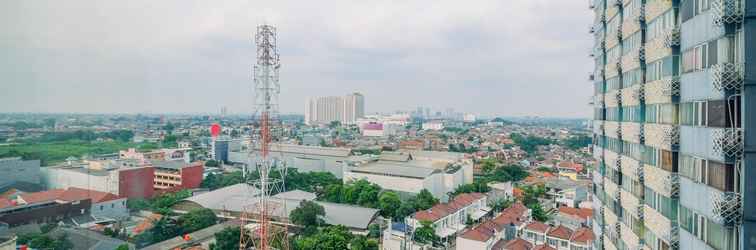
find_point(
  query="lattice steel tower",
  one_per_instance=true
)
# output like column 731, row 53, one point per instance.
column 261, row 233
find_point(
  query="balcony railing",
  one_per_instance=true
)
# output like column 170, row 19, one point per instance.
column 727, row 76
column 727, row 208
column 672, row 37
column 727, row 11
column 728, row 142
column 672, row 185
column 671, row 86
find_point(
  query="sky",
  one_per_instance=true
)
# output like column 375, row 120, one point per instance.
column 488, row 57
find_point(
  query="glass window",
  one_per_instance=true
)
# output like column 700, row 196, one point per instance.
column 632, row 77
column 660, row 25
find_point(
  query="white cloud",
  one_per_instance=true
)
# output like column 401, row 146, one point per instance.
column 487, row 56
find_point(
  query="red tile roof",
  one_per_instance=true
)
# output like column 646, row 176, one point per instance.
column 499, row 245
column 517, row 192
column 560, row 232
column 537, row 226
column 442, row 210
column 482, row 232
column 543, row 247
column 71, row 194
column 583, row 213
column 582, row 235
column 518, row 244
column 49, row 195
column 512, row 214
column 571, row 165
column 6, row 203
column 74, row 194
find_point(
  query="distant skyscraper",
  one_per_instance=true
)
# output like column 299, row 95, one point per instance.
column 345, row 109
column 674, row 104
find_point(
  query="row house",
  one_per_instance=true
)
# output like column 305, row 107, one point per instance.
column 493, row 234
column 559, row 237
column 449, row 218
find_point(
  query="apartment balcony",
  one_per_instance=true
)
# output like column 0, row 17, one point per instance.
column 662, row 136
column 612, row 38
column 598, row 152
column 632, row 241
column 612, row 190
column 631, row 203
column 630, row 167
column 598, row 127
column 599, row 101
column 611, row 68
column 661, row 46
column 727, row 11
column 660, row 226
column 610, row 219
column 728, row 142
column 629, row 97
column 613, row 98
column 660, row 180
column 727, row 208
column 608, row 244
column 632, row 132
column 728, row 76
column 633, row 23
column 613, row 8
column 610, row 157
column 654, row 9
column 612, row 129
column 662, row 91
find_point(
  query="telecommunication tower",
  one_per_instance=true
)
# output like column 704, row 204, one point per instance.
column 257, row 228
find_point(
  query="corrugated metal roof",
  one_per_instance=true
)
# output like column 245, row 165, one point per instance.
column 394, row 169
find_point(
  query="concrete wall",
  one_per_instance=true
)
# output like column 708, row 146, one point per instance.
column 115, row 209
column 55, row 178
column 401, row 184
column 136, row 182
column 191, row 177
column 16, row 169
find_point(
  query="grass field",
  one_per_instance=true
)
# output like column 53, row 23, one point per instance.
column 51, row 153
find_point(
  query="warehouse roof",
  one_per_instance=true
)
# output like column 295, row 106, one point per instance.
column 395, row 169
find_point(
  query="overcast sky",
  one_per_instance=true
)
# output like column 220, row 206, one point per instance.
column 491, row 57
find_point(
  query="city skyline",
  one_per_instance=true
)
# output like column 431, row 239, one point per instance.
column 198, row 58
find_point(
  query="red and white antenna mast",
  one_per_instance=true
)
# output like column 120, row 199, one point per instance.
column 261, row 234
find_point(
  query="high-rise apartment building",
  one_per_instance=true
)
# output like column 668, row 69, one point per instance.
column 345, row 109
column 674, row 126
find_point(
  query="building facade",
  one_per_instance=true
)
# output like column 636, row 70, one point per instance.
column 672, row 110
column 18, row 170
column 345, row 109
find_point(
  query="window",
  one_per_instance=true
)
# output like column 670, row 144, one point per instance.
column 658, row 27
column 700, row 57
column 720, row 176
column 613, row 83
column 631, row 114
column 632, row 77
column 632, row 43
column 662, row 68
column 693, row 114
column 692, row 167
column 668, row 160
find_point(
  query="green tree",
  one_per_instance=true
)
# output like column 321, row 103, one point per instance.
column 405, row 209
column 488, row 164
column 374, row 231
column 426, row 234
column 363, row 243
column 389, row 202
column 197, row 219
column 425, row 200
column 538, row 212
column 211, row 163
column 123, row 247
column 227, row 239
column 308, row 215
column 164, row 229
column 332, row 237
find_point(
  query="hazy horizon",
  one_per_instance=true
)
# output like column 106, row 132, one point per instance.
column 493, row 58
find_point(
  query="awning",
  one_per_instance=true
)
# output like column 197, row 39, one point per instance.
column 446, row 232
column 478, row 214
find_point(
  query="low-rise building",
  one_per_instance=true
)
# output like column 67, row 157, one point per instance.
column 493, row 234
column 450, row 218
column 16, row 169
column 42, row 207
column 172, row 175
column 125, row 178
column 559, row 237
column 104, row 205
